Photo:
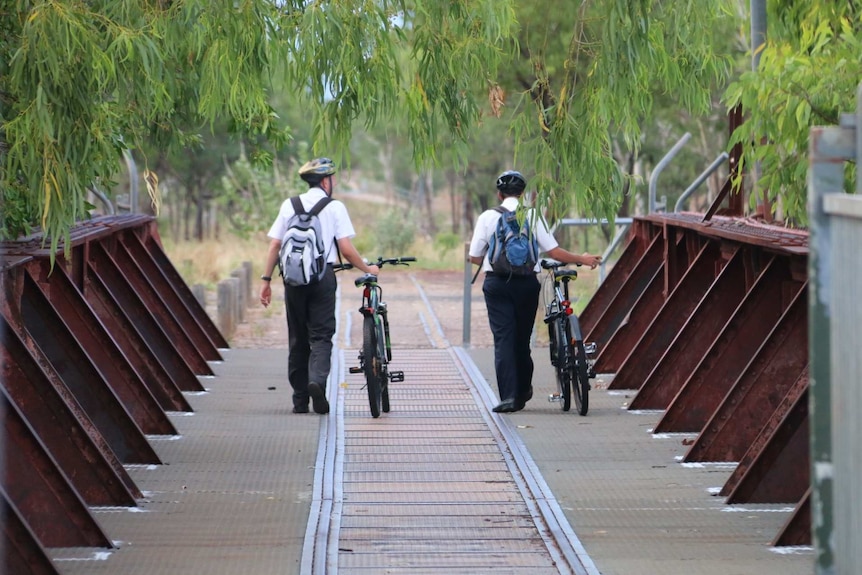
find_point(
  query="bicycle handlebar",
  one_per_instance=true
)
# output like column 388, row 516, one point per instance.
column 381, row 261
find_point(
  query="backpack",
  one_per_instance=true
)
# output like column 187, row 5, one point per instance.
column 301, row 259
column 513, row 249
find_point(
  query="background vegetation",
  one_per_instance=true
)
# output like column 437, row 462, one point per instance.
column 422, row 102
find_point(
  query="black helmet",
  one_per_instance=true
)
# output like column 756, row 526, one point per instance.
column 511, row 183
column 315, row 170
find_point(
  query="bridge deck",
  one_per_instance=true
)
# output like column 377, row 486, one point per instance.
column 439, row 485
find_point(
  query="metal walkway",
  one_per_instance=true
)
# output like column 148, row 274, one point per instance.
column 438, row 484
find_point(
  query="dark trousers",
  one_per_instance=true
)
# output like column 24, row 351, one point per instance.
column 310, row 328
column 512, row 303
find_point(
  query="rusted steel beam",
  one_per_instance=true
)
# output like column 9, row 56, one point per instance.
column 797, row 530
column 52, row 338
column 20, row 550
column 167, row 290
column 641, row 277
column 622, row 341
column 729, row 353
column 129, row 301
column 776, row 239
column 643, row 312
column 730, row 190
column 641, row 236
column 759, row 390
column 677, row 255
column 166, row 376
column 153, row 245
column 47, row 502
column 668, row 322
column 775, row 469
column 695, row 336
column 106, row 356
column 62, row 426
column 116, row 262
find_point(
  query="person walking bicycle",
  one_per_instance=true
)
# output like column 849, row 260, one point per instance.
column 311, row 308
column 512, row 297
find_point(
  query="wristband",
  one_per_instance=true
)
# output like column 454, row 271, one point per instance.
column 266, row 278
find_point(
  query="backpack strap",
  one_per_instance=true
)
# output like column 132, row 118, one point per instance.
column 315, row 210
column 297, row 205
column 318, row 207
column 501, row 209
column 321, row 203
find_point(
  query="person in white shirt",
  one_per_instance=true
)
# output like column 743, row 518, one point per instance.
column 512, row 300
column 311, row 308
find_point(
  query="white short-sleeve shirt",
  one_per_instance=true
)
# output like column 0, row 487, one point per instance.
column 334, row 221
column 487, row 224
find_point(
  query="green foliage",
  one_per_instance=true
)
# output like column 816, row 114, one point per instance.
column 807, row 76
column 445, row 242
column 394, row 234
column 84, row 81
column 252, row 194
column 575, row 98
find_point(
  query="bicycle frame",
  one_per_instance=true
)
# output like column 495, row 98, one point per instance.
column 570, row 356
column 376, row 351
column 374, row 307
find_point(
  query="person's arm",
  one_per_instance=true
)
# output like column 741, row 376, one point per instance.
column 568, row 257
column 268, row 270
column 348, row 251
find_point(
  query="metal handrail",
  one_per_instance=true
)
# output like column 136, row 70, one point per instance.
column 700, row 179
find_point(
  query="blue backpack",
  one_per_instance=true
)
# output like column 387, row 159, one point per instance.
column 513, row 249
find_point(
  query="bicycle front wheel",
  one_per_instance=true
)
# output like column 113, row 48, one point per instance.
column 373, row 366
column 582, row 383
column 563, row 352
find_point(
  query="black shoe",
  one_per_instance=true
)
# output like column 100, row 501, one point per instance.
column 522, row 401
column 318, row 398
column 507, row 406
column 300, row 409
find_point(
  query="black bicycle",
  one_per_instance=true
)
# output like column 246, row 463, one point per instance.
column 572, row 359
column 376, row 351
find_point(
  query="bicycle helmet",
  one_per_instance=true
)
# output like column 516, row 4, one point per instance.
column 313, row 171
column 511, row 183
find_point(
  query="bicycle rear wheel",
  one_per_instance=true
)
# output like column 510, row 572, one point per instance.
column 373, row 366
column 582, row 383
column 563, row 353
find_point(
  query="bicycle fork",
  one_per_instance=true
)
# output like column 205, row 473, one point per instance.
column 394, row 376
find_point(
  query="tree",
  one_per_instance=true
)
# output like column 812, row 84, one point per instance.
column 82, row 82
column 587, row 80
column 808, row 74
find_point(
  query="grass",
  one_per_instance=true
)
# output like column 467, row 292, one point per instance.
column 210, row 261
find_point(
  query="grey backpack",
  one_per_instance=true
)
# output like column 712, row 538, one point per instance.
column 301, row 259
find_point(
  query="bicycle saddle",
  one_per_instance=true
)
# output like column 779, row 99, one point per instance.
column 565, row 273
column 365, row 279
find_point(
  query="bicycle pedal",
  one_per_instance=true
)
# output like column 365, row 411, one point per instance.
column 590, row 348
column 396, row 376
column 554, row 397
column 355, row 370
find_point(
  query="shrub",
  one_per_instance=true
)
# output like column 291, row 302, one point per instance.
column 394, row 234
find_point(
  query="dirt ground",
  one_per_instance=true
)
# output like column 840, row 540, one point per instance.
column 438, row 295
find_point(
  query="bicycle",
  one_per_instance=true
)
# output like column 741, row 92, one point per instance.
column 376, row 351
column 572, row 359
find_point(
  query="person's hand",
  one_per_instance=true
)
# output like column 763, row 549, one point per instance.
column 373, row 269
column 591, row 260
column 265, row 294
